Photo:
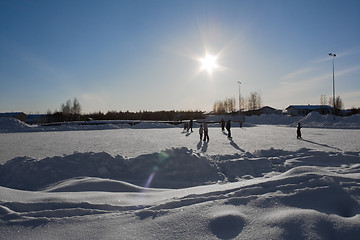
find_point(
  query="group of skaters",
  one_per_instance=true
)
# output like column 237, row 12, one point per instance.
column 188, row 126
column 228, row 126
column 204, row 129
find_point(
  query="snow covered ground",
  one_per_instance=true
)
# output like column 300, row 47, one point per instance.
column 154, row 181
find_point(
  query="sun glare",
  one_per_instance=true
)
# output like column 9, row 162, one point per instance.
column 208, row 63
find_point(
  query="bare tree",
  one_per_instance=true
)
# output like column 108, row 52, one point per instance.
column 71, row 108
column 323, row 100
column 66, row 108
column 76, row 107
column 242, row 103
column 219, row 107
column 228, row 105
column 338, row 102
column 254, row 101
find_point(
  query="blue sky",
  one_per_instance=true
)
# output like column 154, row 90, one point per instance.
column 145, row 55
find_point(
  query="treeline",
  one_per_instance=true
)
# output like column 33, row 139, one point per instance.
column 114, row 115
column 146, row 115
column 71, row 111
column 253, row 102
column 226, row 106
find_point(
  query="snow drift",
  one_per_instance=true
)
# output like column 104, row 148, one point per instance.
column 275, row 194
column 172, row 168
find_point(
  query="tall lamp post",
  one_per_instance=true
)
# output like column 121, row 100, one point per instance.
column 240, row 104
column 333, row 55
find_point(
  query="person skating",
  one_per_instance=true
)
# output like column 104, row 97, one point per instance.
column 222, row 124
column 206, row 132
column 228, row 127
column 298, row 131
column 201, row 131
column 185, row 126
column 191, row 125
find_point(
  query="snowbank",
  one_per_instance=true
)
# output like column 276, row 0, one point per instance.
column 14, row 125
column 272, row 119
column 148, row 125
column 313, row 119
column 172, row 168
column 316, row 120
column 277, row 195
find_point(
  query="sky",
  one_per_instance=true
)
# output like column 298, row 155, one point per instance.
column 147, row 55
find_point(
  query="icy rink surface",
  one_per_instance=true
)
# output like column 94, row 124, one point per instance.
column 134, row 142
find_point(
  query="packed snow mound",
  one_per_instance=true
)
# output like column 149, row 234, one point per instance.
column 79, row 126
column 14, row 125
column 175, row 168
column 95, row 184
column 305, row 205
column 172, row 168
column 147, row 125
column 316, row 120
column 313, row 119
column 267, row 194
column 305, row 170
column 272, row 119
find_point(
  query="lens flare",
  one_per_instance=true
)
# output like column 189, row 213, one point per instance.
column 148, row 182
column 162, row 157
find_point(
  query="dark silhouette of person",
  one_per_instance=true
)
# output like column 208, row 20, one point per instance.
column 222, row 124
column 201, row 131
column 206, row 131
column 185, row 126
column 298, row 131
column 191, row 125
column 228, row 127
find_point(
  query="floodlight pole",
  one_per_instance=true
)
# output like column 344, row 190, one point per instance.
column 333, row 55
column 239, row 104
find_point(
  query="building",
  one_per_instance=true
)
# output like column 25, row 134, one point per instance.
column 263, row 110
column 18, row 115
column 36, row 118
column 302, row 110
column 268, row 110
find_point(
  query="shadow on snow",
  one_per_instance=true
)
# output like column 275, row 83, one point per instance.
column 320, row 144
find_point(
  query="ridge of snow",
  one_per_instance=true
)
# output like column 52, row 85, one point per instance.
column 172, row 168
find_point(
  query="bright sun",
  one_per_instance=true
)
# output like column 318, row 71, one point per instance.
column 208, row 63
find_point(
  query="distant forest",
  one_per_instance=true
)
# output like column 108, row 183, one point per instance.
column 71, row 111
column 142, row 115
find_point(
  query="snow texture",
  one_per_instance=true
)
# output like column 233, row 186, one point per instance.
column 250, row 187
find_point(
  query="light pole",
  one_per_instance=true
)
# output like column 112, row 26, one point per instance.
column 240, row 104
column 333, row 55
